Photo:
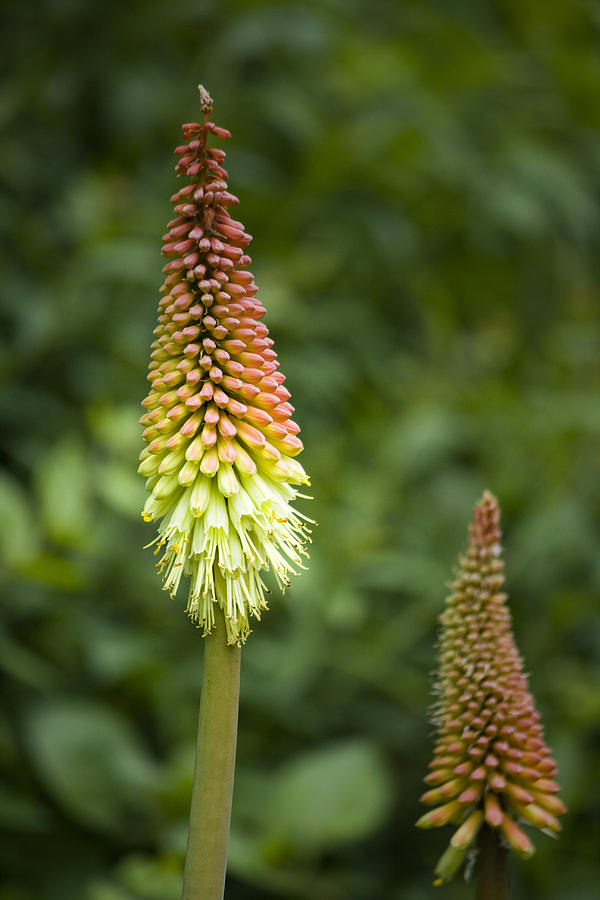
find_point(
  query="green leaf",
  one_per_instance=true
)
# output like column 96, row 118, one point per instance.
column 18, row 811
column 331, row 796
column 117, row 429
column 18, row 532
column 64, row 492
column 152, row 879
column 121, row 487
column 93, row 763
column 22, row 663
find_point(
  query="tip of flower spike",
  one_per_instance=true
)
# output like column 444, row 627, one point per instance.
column 206, row 101
column 485, row 531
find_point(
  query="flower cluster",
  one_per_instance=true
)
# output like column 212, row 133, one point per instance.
column 219, row 434
column 491, row 763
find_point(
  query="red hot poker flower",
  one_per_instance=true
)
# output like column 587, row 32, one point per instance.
column 219, row 433
column 491, row 763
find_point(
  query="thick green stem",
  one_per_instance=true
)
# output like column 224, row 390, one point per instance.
column 206, row 856
column 492, row 866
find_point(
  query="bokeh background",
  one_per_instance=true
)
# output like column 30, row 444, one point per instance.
column 422, row 181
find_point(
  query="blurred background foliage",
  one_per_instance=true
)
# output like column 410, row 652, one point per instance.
column 422, row 181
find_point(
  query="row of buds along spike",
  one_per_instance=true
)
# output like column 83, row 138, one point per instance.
column 217, row 408
column 491, row 763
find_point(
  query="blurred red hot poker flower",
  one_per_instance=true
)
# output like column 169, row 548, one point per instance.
column 491, row 763
column 219, row 433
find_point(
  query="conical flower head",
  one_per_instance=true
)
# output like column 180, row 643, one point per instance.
column 491, row 763
column 219, row 433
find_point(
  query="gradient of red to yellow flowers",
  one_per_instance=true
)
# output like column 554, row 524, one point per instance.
column 219, row 433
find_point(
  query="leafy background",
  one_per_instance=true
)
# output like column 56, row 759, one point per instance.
column 422, row 182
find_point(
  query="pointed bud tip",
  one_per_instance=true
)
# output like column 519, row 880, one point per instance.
column 206, row 102
column 517, row 839
column 464, row 836
column 488, row 499
column 448, row 864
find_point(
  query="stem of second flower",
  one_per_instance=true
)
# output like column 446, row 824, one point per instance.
column 492, row 866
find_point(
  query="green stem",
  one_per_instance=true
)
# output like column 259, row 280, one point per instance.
column 492, row 866
column 206, row 856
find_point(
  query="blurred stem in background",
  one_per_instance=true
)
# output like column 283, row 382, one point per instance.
column 492, row 867
column 206, row 856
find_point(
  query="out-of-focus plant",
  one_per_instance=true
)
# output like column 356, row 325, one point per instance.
column 491, row 767
column 219, row 467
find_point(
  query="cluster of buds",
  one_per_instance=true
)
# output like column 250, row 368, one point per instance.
column 491, row 763
column 218, row 427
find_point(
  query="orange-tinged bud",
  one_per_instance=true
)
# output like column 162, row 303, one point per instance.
column 518, row 794
column 209, row 462
column 440, row 816
column 517, row 839
column 539, row 817
column 438, row 776
column 547, row 786
column 471, row 794
column 493, row 810
column 550, row 802
column 439, row 794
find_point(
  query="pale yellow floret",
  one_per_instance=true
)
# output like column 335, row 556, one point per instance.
column 223, row 533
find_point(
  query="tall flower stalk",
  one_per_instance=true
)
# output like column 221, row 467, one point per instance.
column 491, row 768
column 219, row 465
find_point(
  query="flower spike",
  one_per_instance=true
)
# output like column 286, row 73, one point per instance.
column 218, row 428
column 491, row 764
